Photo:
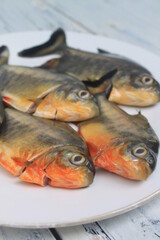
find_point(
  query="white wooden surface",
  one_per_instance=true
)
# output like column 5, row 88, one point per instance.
column 135, row 21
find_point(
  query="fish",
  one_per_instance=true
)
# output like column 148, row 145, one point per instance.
column 44, row 152
column 45, row 94
column 4, row 55
column 121, row 143
column 133, row 84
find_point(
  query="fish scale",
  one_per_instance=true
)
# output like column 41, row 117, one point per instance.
column 18, row 123
column 113, row 114
column 71, row 59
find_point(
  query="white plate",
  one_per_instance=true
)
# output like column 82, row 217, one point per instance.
column 27, row 205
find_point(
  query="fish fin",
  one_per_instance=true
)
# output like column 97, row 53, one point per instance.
column 19, row 103
column 100, row 50
column 9, row 163
column 43, row 113
column 116, row 55
column 55, row 43
column 108, row 90
column 50, row 64
column 108, row 75
column 140, row 118
column 4, row 55
column 105, row 77
column 46, row 108
column 34, row 174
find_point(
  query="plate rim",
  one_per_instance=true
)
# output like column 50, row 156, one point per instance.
column 100, row 217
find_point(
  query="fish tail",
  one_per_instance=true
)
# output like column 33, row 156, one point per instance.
column 56, row 42
column 4, row 55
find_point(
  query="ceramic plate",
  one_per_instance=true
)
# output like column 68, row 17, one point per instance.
column 27, row 205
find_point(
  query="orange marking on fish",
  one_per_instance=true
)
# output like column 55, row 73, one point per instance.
column 96, row 142
column 7, row 99
column 15, row 167
column 51, row 63
column 113, row 160
column 62, row 176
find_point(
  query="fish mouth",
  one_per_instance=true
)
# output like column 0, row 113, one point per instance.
column 137, row 172
column 157, row 90
column 77, row 179
column 141, row 172
column 159, row 93
column 91, row 167
column 64, row 173
column 76, row 112
column 134, row 98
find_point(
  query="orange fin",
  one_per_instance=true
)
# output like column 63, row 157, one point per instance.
column 21, row 104
column 15, row 166
column 47, row 108
column 34, row 174
column 7, row 99
column 51, row 63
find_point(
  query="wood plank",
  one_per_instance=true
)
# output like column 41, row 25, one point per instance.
column 33, row 15
column 73, row 233
column 141, row 223
column 152, row 213
column 123, row 19
column 25, row 234
column 133, row 224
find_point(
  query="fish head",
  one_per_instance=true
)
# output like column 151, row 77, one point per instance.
column 70, row 169
column 78, row 103
column 70, row 102
column 135, row 89
column 133, row 159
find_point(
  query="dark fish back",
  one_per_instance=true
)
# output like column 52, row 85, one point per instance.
column 123, row 124
column 42, row 133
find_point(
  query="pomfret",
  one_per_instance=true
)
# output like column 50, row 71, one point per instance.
column 46, row 94
column 44, row 152
column 132, row 84
column 121, row 143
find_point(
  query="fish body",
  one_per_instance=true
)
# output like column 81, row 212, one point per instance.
column 132, row 84
column 121, row 143
column 45, row 94
column 44, row 152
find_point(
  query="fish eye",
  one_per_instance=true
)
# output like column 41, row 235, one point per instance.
column 78, row 159
column 84, row 94
column 139, row 151
column 147, row 80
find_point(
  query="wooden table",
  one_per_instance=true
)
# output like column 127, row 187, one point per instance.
column 137, row 22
